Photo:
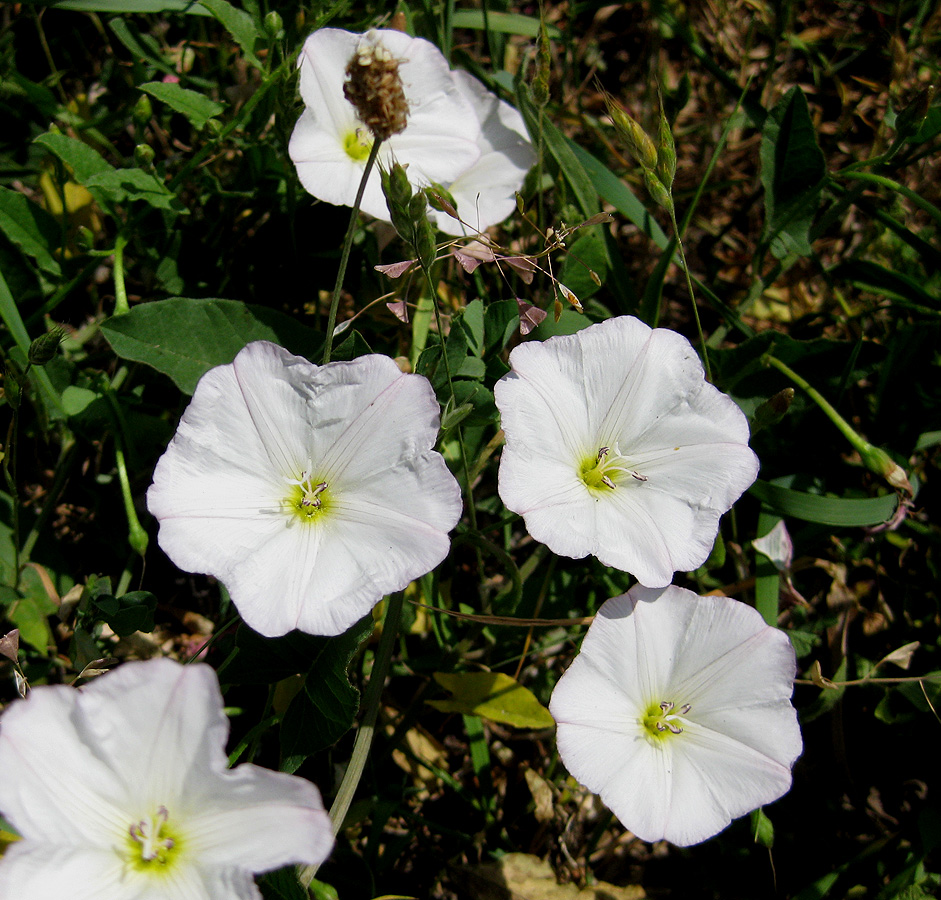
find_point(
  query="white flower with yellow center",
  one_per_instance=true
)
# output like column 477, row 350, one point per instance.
column 330, row 144
column 309, row 491
column 617, row 446
column 677, row 712
column 120, row 790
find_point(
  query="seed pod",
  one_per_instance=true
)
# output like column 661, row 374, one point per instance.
column 374, row 87
column 44, row 348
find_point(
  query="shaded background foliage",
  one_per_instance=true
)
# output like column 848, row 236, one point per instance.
column 806, row 135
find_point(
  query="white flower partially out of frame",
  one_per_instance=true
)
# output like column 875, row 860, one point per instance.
column 330, row 145
column 677, row 712
column 120, row 791
column 309, row 491
column 486, row 192
column 617, row 446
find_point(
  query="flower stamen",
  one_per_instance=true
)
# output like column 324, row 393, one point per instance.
column 311, row 500
column 606, row 468
column 148, row 832
column 663, row 719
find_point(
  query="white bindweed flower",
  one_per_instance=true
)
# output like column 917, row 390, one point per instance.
column 677, row 712
column 309, row 491
column 330, row 143
column 617, row 446
column 120, row 791
column 486, row 192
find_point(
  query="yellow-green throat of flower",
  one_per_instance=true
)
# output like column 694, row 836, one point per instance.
column 153, row 842
column 310, row 496
column 606, row 469
column 357, row 144
column 664, row 720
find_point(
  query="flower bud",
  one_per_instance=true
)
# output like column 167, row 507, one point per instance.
column 374, row 87
column 658, row 193
column 85, row 239
column 425, row 245
column 274, row 25
column 144, row 156
column 772, row 410
column 666, row 152
column 398, row 194
column 143, row 111
column 440, row 199
column 635, row 138
column 44, row 348
column 12, row 388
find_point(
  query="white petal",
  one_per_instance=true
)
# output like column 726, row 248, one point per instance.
column 159, row 726
column 323, row 61
column 53, row 785
column 717, row 779
column 642, row 394
column 485, row 192
column 364, row 429
column 739, row 733
column 36, row 871
column 256, row 821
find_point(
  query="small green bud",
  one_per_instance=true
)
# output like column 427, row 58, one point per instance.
column 440, row 199
column 425, row 245
column 666, row 152
column 143, row 111
column 398, row 194
column 772, row 410
column 881, row 463
column 143, row 156
column 543, row 67
column 44, row 348
column 658, row 193
column 12, row 386
column 416, row 207
column 274, row 25
column 85, row 239
column 215, row 127
column 635, row 138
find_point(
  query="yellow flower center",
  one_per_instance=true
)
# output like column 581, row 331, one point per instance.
column 664, row 720
column 357, row 144
column 310, row 497
column 607, row 468
column 153, row 843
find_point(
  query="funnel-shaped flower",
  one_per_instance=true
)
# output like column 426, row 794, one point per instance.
column 486, row 192
column 330, row 143
column 617, row 446
column 120, row 790
column 309, row 491
column 677, row 712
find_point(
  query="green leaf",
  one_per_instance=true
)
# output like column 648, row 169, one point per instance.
column 323, row 711
column 792, row 172
column 282, row 885
column 30, row 228
column 494, row 696
column 587, row 252
column 129, row 613
column 135, row 184
column 239, row 24
column 191, row 7
column 84, row 161
column 504, row 23
column 472, row 321
column 871, row 276
column 841, row 511
column 184, row 338
column 501, row 320
column 197, row 108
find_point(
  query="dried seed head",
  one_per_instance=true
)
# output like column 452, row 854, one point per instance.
column 374, row 87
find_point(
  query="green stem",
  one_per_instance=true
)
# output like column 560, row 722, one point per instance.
column 9, row 471
column 345, row 256
column 137, row 536
column 121, row 306
column 692, row 295
column 906, row 192
column 875, row 459
column 471, row 507
column 367, row 728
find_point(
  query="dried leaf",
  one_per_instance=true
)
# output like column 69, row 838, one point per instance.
column 530, row 316
column 396, row 270
column 10, row 644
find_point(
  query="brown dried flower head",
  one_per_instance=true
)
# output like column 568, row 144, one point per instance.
column 374, row 87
